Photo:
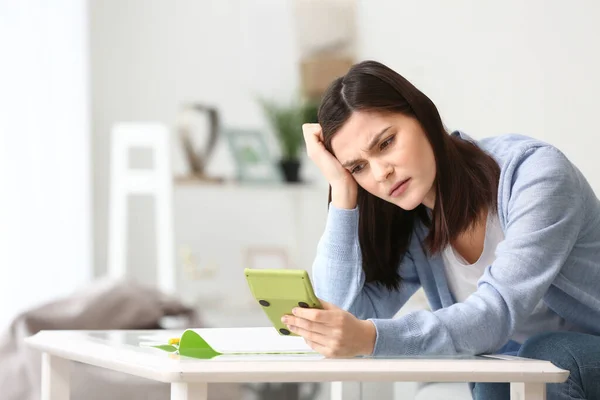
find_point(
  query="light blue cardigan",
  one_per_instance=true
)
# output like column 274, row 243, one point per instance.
column 551, row 222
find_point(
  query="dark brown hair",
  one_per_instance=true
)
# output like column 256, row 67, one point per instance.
column 466, row 181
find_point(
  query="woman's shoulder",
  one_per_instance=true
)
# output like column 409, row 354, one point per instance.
column 529, row 163
column 515, row 152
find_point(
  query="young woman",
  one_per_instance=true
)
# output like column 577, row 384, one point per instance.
column 503, row 234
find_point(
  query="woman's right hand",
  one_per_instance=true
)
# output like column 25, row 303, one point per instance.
column 343, row 186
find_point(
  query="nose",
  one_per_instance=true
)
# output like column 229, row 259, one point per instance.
column 381, row 170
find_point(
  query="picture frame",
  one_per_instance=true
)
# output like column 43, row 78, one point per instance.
column 251, row 155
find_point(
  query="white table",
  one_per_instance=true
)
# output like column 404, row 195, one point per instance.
column 189, row 378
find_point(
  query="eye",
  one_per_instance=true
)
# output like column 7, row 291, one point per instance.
column 357, row 169
column 386, row 143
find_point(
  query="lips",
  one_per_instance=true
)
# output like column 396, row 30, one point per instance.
column 397, row 186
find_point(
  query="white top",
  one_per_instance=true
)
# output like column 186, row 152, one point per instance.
column 463, row 277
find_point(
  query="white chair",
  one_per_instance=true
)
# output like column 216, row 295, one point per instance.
column 157, row 182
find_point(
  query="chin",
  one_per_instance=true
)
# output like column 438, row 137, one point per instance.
column 407, row 206
column 408, row 203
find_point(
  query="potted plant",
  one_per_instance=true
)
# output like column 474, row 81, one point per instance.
column 286, row 121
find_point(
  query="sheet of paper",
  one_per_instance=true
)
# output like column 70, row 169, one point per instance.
column 252, row 340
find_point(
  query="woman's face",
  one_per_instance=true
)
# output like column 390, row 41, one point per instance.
column 389, row 156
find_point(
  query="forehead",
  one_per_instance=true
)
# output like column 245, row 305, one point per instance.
column 356, row 133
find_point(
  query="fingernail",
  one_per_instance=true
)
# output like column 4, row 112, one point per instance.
column 294, row 310
column 284, row 319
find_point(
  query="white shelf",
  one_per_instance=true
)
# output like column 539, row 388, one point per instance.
column 220, row 223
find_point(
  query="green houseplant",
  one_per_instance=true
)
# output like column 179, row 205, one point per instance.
column 286, row 121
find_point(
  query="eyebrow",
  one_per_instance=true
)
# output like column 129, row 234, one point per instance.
column 372, row 144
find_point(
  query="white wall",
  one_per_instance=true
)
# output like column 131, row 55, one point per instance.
column 45, row 224
column 498, row 67
column 491, row 68
column 149, row 57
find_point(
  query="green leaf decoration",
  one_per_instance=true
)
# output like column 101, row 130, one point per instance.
column 192, row 345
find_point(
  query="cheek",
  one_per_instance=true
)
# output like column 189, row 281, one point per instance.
column 406, row 162
column 423, row 159
column 429, row 163
column 367, row 182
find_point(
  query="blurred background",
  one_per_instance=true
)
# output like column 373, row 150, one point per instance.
column 161, row 140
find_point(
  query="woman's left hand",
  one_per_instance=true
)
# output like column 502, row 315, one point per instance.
column 332, row 331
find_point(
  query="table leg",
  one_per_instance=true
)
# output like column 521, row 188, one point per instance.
column 527, row 391
column 189, row 391
column 56, row 378
column 346, row 391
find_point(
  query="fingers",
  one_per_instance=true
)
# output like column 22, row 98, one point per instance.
column 329, row 165
column 313, row 139
column 312, row 130
column 306, row 324
column 314, row 337
column 332, row 331
column 313, row 314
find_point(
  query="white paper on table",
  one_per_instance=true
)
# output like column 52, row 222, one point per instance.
column 245, row 340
